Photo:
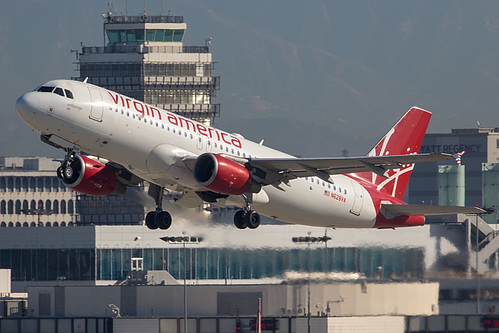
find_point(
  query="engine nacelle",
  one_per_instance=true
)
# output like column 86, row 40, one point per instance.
column 221, row 175
column 87, row 176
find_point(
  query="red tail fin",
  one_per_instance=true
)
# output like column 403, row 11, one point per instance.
column 402, row 139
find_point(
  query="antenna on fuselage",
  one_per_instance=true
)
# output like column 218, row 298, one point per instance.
column 86, row 79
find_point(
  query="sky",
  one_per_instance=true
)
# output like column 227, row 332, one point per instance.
column 315, row 78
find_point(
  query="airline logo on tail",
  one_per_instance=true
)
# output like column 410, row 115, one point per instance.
column 404, row 138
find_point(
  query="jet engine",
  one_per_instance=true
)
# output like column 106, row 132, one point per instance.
column 84, row 175
column 222, row 175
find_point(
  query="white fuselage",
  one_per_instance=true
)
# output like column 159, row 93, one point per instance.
column 151, row 144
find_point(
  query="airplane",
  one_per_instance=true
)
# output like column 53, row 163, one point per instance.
column 114, row 141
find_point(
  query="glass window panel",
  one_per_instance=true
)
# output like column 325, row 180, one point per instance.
column 74, row 264
column 113, row 36
column 26, row 268
column 105, row 265
column 5, row 258
column 52, row 264
column 168, row 36
column 127, row 261
column 86, row 264
column 16, row 265
column 116, row 264
column 177, row 35
column 123, row 38
column 151, row 35
column 63, row 264
column 139, row 35
column 130, row 36
column 41, row 265
column 147, row 265
column 160, row 34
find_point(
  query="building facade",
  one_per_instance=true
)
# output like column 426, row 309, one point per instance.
column 145, row 58
column 481, row 145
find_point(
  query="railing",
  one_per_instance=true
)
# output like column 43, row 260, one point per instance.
column 144, row 19
column 142, row 49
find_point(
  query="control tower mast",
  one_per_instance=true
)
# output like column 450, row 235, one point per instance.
column 145, row 59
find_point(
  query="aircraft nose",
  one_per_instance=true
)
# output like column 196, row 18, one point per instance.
column 26, row 106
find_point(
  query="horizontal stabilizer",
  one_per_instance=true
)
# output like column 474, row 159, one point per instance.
column 391, row 211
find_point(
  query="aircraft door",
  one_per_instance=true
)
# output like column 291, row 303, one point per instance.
column 96, row 108
column 358, row 198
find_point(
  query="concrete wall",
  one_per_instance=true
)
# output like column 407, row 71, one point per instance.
column 5, row 286
column 343, row 299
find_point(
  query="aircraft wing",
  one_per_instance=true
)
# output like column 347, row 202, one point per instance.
column 290, row 168
column 390, row 211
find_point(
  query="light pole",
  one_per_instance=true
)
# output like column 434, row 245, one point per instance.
column 309, row 239
column 37, row 211
column 184, row 240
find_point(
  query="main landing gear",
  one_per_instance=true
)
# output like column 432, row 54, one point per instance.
column 246, row 218
column 159, row 218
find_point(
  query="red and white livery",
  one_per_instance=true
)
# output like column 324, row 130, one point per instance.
column 140, row 142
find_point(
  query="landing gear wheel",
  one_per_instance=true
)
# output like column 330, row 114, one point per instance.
column 163, row 220
column 252, row 219
column 68, row 172
column 151, row 220
column 60, row 172
column 239, row 220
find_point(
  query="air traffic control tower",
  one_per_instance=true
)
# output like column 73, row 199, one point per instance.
column 145, row 58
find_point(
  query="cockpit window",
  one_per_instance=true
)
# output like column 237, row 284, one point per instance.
column 59, row 91
column 45, row 89
column 56, row 90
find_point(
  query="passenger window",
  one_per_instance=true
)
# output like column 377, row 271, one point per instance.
column 59, row 91
column 339, row 189
column 191, row 137
column 69, row 94
column 163, row 126
column 345, row 192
